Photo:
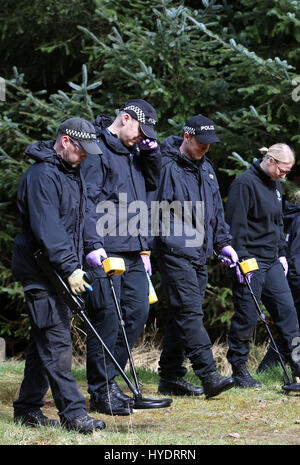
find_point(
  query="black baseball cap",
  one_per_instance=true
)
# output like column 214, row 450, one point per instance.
column 144, row 113
column 202, row 128
column 83, row 131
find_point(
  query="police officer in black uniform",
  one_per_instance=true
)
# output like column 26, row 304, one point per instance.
column 254, row 212
column 117, row 183
column 291, row 216
column 52, row 204
column 189, row 186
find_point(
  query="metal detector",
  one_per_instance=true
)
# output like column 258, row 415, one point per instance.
column 248, row 266
column 116, row 266
column 77, row 305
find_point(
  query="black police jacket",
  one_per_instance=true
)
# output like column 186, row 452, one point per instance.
column 254, row 213
column 291, row 216
column 117, row 183
column 189, row 191
column 52, row 204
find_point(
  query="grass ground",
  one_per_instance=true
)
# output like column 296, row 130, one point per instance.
column 264, row 416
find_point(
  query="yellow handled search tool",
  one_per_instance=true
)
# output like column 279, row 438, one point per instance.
column 152, row 294
column 114, row 266
column 248, row 265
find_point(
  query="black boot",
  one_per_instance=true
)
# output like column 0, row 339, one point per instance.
column 110, row 404
column 84, row 424
column 242, row 377
column 33, row 418
column 115, row 389
column 178, row 387
column 213, row 384
column 270, row 360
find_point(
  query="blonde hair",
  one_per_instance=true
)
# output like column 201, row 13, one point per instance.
column 280, row 152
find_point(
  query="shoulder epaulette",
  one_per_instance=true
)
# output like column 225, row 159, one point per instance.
column 209, row 160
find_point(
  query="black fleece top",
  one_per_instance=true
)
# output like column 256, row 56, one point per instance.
column 254, row 213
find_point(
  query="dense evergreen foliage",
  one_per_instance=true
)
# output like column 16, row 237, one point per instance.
column 234, row 61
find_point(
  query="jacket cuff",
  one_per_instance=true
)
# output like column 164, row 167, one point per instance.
column 92, row 247
column 145, row 252
column 219, row 247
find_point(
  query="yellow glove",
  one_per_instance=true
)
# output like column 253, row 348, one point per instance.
column 77, row 282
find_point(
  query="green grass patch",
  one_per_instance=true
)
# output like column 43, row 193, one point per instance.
column 264, row 416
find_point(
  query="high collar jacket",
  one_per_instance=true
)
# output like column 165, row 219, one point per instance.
column 192, row 189
column 254, row 213
column 117, row 183
column 52, row 205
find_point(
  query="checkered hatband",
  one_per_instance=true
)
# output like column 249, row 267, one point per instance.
column 189, row 130
column 80, row 135
column 141, row 117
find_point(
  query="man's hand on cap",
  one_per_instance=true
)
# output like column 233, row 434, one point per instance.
column 148, row 144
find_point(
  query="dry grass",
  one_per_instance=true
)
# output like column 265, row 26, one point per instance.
column 147, row 350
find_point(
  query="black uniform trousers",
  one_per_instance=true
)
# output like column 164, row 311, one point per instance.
column 185, row 334
column 270, row 286
column 132, row 291
column 294, row 283
column 49, row 358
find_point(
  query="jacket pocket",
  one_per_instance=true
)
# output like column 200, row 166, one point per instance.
column 44, row 309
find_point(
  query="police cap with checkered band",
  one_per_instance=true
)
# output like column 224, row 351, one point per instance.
column 202, row 128
column 83, row 131
column 144, row 113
